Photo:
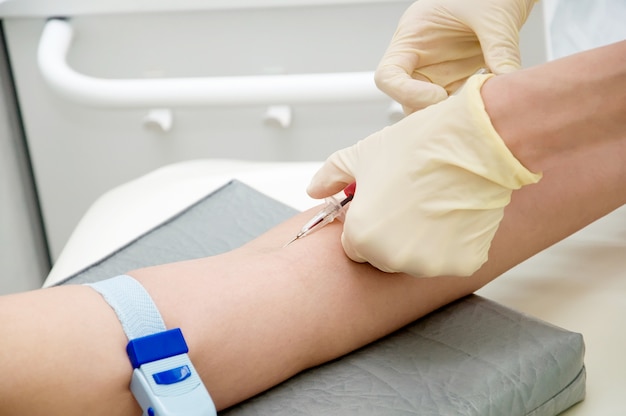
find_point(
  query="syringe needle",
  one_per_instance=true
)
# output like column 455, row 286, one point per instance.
column 331, row 210
column 291, row 241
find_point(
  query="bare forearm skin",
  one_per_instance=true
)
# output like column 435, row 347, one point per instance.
column 564, row 106
column 252, row 318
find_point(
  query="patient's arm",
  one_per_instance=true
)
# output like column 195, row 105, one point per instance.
column 567, row 105
column 259, row 314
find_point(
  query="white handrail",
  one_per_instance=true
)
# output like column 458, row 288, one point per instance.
column 174, row 92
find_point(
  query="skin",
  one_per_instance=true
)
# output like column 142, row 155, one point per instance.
column 259, row 314
column 546, row 112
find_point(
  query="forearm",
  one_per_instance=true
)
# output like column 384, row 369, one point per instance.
column 566, row 105
column 264, row 313
column 252, row 318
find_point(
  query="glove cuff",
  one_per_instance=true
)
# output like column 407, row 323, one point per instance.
column 503, row 168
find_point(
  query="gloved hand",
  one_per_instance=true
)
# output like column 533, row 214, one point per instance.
column 437, row 46
column 431, row 189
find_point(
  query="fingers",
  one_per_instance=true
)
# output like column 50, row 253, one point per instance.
column 350, row 251
column 413, row 94
column 501, row 51
column 499, row 35
column 334, row 175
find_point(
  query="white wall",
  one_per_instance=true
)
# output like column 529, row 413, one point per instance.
column 23, row 262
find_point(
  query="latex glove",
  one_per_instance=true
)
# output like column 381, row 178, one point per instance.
column 437, row 46
column 431, row 189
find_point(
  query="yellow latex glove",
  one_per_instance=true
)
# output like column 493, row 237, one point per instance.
column 437, row 46
column 431, row 189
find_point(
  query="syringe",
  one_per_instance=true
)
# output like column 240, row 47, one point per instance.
column 333, row 208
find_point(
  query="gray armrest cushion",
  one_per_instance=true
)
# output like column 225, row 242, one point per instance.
column 472, row 357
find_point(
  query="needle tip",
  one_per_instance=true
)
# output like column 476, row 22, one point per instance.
column 291, row 241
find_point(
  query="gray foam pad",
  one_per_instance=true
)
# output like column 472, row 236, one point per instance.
column 472, row 357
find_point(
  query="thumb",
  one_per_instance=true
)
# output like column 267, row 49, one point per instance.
column 334, row 175
column 499, row 36
column 413, row 91
column 501, row 50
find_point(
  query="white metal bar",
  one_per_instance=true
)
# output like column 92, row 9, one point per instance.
column 175, row 92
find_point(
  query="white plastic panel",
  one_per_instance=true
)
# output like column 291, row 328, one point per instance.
column 23, row 262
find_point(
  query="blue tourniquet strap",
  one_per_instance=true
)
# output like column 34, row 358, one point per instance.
column 164, row 381
column 134, row 307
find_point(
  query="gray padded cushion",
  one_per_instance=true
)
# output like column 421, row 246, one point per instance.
column 472, row 357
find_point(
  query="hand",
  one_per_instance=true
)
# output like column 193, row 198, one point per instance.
column 437, row 46
column 431, row 189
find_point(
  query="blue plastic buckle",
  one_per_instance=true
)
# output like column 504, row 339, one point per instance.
column 164, row 382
